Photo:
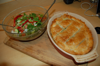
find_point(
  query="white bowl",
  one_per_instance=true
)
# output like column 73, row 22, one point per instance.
column 78, row 58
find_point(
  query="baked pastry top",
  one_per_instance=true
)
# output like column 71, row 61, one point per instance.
column 72, row 35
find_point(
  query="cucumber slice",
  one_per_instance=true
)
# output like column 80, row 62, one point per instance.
column 16, row 30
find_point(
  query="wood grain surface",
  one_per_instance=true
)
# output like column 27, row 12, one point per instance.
column 41, row 49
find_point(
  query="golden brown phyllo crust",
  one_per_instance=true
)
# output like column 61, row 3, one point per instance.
column 72, row 35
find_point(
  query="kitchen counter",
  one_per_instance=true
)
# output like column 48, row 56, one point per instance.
column 12, row 57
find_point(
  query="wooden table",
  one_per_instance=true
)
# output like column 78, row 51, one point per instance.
column 43, row 50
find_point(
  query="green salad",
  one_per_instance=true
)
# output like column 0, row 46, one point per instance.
column 24, row 24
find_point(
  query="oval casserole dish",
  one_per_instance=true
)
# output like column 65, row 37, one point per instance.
column 73, row 35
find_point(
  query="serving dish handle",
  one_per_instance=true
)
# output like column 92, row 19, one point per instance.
column 88, row 57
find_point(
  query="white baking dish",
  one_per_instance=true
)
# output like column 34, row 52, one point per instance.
column 78, row 58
